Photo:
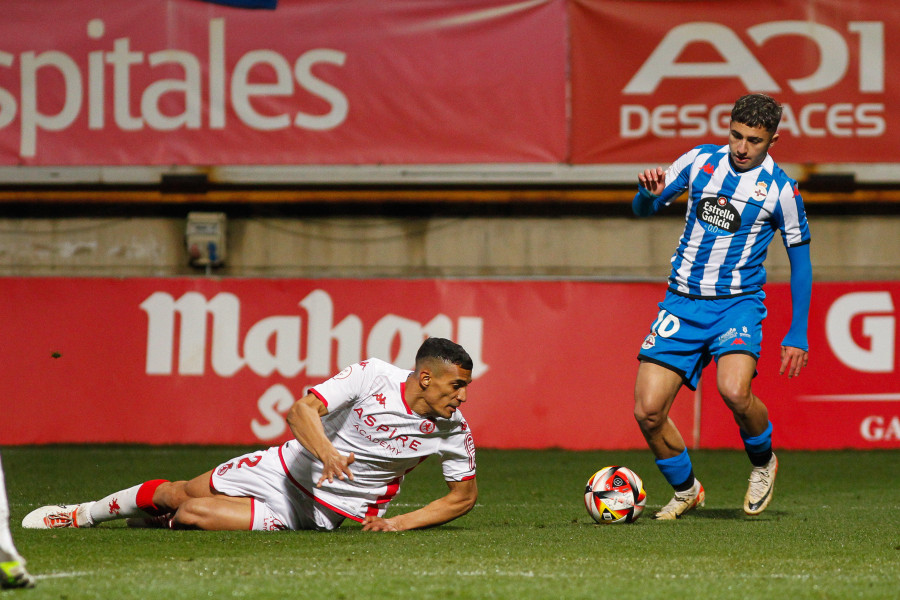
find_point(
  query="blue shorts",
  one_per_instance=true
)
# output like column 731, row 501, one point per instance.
column 689, row 332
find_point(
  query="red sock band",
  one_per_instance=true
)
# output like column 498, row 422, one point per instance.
column 144, row 498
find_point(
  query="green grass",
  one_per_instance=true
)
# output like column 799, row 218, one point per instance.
column 832, row 531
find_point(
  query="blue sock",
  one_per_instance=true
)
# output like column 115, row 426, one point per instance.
column 678, row 471
column 759, row 447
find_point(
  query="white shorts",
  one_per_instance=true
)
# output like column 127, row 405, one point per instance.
column 276, row 502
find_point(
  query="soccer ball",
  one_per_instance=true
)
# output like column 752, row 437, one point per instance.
column 615, row 495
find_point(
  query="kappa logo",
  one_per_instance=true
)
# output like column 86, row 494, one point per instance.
column 738, row 342
column 114, row 507
column 709, row 169
column 380, row 398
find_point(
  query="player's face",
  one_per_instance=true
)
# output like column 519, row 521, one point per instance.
column 748, row 146
column 446, row 390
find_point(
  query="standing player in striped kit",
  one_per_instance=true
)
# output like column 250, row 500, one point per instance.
column 356, row 436
column 737, row 199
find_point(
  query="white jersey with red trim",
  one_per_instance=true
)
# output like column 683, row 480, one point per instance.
column 368, row 416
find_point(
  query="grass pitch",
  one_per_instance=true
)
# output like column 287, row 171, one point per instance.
column 832, row 531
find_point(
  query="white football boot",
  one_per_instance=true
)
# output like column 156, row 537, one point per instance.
column 762, row 487
column 59, row 516
column 682, row 502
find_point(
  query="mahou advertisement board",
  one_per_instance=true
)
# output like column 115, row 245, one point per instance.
column 219, row 361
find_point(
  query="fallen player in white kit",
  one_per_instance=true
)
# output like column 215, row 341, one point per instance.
column 357, row 435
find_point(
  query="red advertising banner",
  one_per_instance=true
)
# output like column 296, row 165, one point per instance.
column 212, row 361
column 651, row 79
column 312, row 82
column 439, row 83
column 849, row 394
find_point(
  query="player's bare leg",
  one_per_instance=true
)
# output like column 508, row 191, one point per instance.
column 197, row 506
column 654, row 393
column 194, row 505
column 156, row 503
column 735, row 372
column 733, row 377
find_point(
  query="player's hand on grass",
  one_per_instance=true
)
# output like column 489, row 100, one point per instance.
column 372, row 523
column 792, row 360
column 336, row 465
column 653, row 180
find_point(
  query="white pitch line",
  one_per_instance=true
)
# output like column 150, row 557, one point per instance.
column 63, row 574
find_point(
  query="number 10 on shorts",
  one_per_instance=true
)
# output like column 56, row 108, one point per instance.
column 666, row 324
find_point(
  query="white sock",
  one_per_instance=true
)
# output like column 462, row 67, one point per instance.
column 136, row 501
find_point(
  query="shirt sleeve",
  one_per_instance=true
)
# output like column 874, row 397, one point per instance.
column 457, row 453
column 801, row 291
column 348, row 386
column 792, row 216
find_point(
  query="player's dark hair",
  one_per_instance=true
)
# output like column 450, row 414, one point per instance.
column 757, row 110
column 444, row 349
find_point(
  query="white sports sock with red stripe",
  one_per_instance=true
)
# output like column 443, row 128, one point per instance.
column 136, row 501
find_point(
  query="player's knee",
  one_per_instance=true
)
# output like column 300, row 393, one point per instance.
column 648, row 418
column 170, row 495
column 737, row 396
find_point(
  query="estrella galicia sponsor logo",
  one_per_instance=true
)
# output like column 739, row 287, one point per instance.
column 718, row 215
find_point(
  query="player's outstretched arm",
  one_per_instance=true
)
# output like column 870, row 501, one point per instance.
column 305, row 420
column 794, row 346
column 651, row 183
column 460, row 500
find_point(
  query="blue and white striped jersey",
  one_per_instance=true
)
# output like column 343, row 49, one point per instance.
column 731, row 219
